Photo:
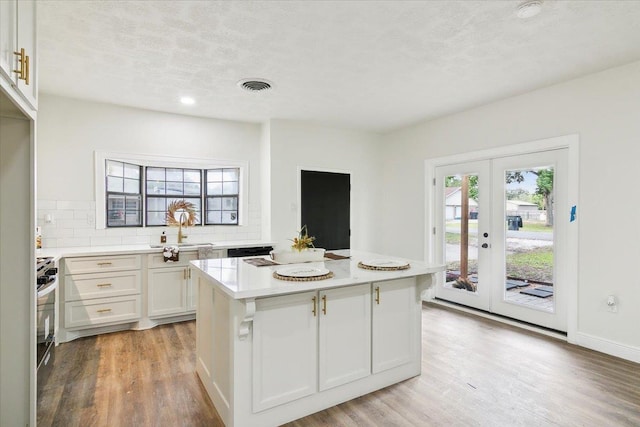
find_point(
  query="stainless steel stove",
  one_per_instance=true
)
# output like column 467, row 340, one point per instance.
column 46, row 284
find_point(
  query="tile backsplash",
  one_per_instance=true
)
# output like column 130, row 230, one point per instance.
column 73, row 223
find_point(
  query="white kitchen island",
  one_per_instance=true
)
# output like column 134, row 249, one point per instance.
column 271, row 351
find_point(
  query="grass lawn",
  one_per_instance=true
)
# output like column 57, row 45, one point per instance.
column 536, row 227
column 534, row 265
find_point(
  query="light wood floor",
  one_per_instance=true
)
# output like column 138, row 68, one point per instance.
column 475, row 372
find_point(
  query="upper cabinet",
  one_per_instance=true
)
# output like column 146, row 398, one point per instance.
column 18, row 51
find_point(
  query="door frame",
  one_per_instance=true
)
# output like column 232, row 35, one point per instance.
column 571, row 143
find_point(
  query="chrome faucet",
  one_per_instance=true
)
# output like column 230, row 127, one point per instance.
column 183, row 220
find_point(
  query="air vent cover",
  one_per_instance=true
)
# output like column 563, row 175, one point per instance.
column 255, row 85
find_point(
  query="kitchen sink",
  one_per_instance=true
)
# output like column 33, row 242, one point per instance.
column 182, row 245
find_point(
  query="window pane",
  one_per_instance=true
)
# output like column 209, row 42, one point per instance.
column 114, row 184
column 132, row 217
column 115, row 202
column 230, row 203
column 230, row 188
column 214, row 189
column 156, row 204
column 155, row 174
column 214, row 217
column 174, row 187
column 192, row 176
column 229, row 217
column 131, row 185
column 115, row 218
column 155, row 187
column 156, row 218
column 192, row 188
column 174, row 175
column 230, row 174
column 131, row 171
column 214, row 175
column 132, row 203
column 114, row 168
column 214, row 203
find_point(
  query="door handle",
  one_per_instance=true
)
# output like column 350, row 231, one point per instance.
column 485, row 245
column 324, row 304
column 314, row 306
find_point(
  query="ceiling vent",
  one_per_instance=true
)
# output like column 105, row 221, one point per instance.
column 255, row 85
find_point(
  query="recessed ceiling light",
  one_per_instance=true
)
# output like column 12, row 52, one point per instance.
column 529, row 9
column 255, row 85
column 187, row 100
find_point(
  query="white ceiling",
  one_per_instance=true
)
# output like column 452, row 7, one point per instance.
column 372, row 65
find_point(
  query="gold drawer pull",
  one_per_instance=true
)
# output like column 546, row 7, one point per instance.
column 324, row 304
column 103, row 285
column 378, row 295
column 314, row 306
column 105, row 263
column 104, row 310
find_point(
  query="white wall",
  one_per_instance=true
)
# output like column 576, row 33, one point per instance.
column 70, row 131
column 604, row 109
column 296, row 146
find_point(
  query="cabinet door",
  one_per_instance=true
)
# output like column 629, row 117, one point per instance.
column 167, row 291
column 284, row 349
column 27, row 40
column 8, row 33
column 344, row 335
column 394, row 323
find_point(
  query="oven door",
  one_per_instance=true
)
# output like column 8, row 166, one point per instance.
column 45, row 341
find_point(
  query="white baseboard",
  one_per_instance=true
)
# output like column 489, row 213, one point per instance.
column 608, row 347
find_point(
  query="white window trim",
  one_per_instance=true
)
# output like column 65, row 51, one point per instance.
column 168, row 162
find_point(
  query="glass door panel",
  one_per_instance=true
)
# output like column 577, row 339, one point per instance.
column 527, row 246
column 529, row 252
column 462, row 193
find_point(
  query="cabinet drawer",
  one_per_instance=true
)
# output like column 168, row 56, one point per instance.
column 90, row 313
column 101, row 285
column 157, row 260
column 102, row 263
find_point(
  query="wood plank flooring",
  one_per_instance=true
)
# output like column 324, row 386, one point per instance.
column 475, row 372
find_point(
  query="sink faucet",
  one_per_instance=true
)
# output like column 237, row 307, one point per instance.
column 183, row 219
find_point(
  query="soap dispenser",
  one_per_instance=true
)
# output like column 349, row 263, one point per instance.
column 163, row 238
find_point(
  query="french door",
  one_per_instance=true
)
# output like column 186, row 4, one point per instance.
column 503, row 235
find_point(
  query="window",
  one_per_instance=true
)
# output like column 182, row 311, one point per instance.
column 124, row 207
column 166, row 185
column 222, row 196
column 138, row 189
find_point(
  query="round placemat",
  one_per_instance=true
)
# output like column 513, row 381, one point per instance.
column 329, row 275
column 370, row 267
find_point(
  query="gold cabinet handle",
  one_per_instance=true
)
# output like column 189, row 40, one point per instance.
column 21, row 61
column 26, row 70
column 184, row 274
column 104, row 310
column 104, row 263
column 314, row 307
column 103, row 285
column 324, row 304
column 378, row 295
column 189, row 270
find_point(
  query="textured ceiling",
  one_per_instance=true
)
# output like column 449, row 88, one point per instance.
column 373, row 65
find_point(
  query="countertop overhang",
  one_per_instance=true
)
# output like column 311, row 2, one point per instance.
column 241, row 280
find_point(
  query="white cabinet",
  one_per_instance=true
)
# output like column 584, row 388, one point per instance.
column 170, row 291
column 395, row 320
column 101, row 290
column 344, row 335
column 309, row 342
column 18, row 48
column 285, row 332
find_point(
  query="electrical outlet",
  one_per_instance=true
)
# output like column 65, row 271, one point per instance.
column 612, row 304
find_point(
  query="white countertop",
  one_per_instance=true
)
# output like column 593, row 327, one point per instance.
column 58, row 253
column 241, row 280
